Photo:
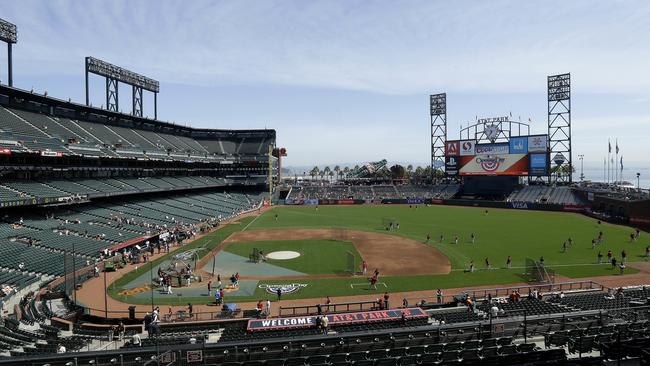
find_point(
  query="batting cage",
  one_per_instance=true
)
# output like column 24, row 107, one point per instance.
column 536, row 271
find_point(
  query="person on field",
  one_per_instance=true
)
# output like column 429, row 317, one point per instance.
column 276, row 217
column 622, row 268
column 456, row 239
column 609, row 256
column 570, row 242
column 564, row 247
column 487, row 263
column 279, row 293
column 623, row 256
column 364, row 267
column 428, row 238
column 509, row 262
column 647, row 251
column 593, row 243
column 439, row 296
column 442, row 238
column 613, row 262
column 386, row 297
column 373, row 282
column 600, row 257
column 473, row 238
column 541, row 261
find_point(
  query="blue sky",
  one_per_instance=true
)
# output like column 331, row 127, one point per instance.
column 348, row 81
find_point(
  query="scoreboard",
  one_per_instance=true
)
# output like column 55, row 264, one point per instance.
column 521, row 156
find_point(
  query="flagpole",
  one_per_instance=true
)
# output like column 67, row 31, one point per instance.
column 604, row 169
column 609, row 154
column 616, row 170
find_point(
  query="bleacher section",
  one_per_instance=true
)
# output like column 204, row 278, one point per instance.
column 39, row 242
column 371, row 192
column 545, row 194
column 59, row 189
column 37, row 132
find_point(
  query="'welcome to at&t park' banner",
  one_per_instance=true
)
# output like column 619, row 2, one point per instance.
column 335, row 319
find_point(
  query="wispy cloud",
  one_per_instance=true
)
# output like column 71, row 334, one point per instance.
column 379, row 46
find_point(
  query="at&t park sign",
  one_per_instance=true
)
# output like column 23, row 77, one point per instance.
column 493, row 120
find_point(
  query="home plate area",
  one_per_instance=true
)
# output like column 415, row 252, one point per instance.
column 283, row 254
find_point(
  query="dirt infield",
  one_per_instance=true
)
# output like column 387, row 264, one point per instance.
column 392, row 255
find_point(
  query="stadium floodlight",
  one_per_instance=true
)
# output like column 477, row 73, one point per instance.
column 120, row 74
column 8, row 32
column 9, row 35
column 116, row 74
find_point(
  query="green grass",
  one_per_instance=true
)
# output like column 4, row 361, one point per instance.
column 518, row 233
column 316, row 256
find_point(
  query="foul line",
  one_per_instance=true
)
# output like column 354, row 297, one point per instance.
column 250, row 223
column 548, row 266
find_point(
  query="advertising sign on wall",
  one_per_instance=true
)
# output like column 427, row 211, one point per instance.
column 451, row 165
column 537, row 143
column 507, row 164
column 492, row 149
column 467, row 147
column 538, row 164
column 452, row 148
column 519, row 145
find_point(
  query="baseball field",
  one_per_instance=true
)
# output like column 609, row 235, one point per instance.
column 327, row 241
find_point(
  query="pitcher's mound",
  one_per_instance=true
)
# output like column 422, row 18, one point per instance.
column 283, row 254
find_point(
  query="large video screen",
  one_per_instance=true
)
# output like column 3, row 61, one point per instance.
column 521, row 156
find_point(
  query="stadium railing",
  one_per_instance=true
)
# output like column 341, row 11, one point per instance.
column 328, row 308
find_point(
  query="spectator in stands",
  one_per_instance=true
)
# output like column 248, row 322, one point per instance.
column 386, row 297
column 120, row 331
column 259, row 307
column 135, row 340
column 147, row 323
column 61, row 349
column 268, row 307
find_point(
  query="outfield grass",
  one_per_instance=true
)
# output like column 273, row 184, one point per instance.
column 518, row 233
column 316, row 256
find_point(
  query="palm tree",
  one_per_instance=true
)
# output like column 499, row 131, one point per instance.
column 337, row 170
column 314, row 172
column 325, row 172
column 346, row 171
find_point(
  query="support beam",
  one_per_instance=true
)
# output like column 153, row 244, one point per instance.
column 10, row 71
column 137, row 101
column 112, row 97
column 559, row 128
column 438, row 112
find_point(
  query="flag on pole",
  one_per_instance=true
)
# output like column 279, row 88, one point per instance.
column 621, row 163
column 510, row 114
column 617, row 146
column 609, row 143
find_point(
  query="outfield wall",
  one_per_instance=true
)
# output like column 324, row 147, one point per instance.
column 433, row 201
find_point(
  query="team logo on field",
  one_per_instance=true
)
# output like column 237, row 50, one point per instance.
column 286, row 288
column 490, row 163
